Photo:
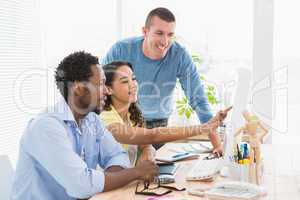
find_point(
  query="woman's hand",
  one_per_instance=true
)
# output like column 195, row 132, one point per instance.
column 217, row 120
column 148, row 153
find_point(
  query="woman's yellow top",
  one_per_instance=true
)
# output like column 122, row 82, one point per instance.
column 112, row 116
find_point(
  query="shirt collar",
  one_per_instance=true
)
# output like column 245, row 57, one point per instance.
column 63, row 111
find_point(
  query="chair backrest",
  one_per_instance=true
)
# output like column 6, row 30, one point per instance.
column 6, row 177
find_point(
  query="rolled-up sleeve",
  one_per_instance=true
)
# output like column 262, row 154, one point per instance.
column 48, row 143
column 111, row 152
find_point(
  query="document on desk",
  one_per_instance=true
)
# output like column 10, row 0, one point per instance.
column 197, row 148
column 177, row 157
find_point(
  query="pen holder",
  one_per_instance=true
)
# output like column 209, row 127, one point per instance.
column 238, row 172
column 251, row 173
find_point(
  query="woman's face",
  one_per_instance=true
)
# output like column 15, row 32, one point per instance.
column 124, row 86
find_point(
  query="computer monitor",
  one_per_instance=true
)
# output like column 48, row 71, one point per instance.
column 239, row 97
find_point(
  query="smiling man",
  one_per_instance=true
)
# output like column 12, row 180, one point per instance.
column 158, row 61
column 61, row 148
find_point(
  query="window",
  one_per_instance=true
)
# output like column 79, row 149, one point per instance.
column 34, row 37
column 286, row 72
column 69, row 26
column 20, row 59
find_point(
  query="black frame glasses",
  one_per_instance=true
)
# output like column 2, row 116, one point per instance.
column 149, row 193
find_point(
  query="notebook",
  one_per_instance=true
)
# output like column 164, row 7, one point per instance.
column 169, row 168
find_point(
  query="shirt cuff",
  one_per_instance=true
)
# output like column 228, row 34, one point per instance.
column 121, row 160
column 204, row 117
column 98, row 181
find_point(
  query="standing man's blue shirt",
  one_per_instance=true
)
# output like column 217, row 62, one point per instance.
column 58, row 158
column 157, row 78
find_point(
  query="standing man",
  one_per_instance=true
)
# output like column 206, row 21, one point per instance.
column 61, row 148
column 158, row 61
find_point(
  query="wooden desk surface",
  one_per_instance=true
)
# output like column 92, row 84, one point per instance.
column 279, row 185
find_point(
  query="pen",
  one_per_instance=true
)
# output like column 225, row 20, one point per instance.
column 238, row 153
column 180, row 154
column 246, row 151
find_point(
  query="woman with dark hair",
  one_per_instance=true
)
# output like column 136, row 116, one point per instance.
column 124, row 120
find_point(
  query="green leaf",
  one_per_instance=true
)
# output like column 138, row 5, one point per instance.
column 185, row 100
column 212, row 88
column 196, row 59
column 179, row 103
column 181, row 111
column 188, row 115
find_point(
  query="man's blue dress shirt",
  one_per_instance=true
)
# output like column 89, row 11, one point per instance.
column 58, row 158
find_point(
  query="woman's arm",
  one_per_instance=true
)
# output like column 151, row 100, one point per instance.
column 142, row 136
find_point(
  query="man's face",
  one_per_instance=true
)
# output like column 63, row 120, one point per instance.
column 95, row 93
column 158, row 37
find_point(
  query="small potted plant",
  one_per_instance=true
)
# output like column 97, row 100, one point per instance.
column 184, row 110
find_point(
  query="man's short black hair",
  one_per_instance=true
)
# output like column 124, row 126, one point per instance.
column 162, row 13
column 74, row 67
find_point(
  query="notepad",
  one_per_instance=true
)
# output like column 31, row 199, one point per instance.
column 177, row 157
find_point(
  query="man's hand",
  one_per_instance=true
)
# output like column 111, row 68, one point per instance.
column 213, row 124
column 147, row 170
column 216, row 142
column 219, row 151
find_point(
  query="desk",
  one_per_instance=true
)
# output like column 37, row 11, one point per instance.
column 194, row 138
column 279, row 186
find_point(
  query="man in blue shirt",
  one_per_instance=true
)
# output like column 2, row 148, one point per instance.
column 61, row 147
column 158, row 61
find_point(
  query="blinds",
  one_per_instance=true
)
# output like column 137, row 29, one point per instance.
column 20, row 60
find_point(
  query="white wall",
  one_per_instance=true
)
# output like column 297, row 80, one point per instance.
column 69, row 26
column 221, row 31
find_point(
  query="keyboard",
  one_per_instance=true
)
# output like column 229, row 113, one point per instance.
column 204, row 169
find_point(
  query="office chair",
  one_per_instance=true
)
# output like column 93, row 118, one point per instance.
column 6, row 177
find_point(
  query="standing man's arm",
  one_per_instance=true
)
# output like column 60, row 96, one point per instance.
column 194, row 90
